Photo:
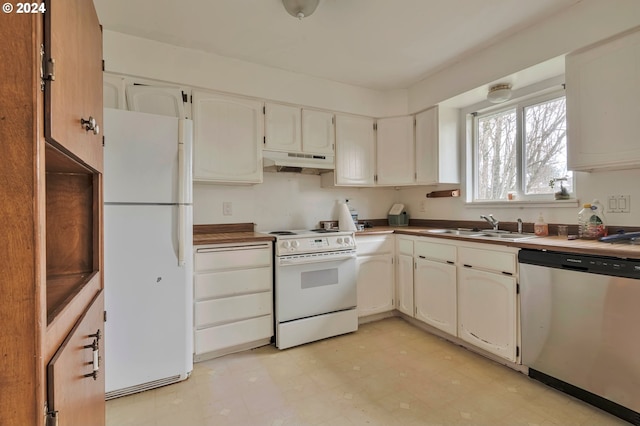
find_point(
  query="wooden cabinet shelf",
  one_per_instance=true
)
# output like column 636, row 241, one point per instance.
column 62, row 289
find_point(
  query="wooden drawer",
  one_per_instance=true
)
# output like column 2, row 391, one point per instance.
column 435, row 251
column 230, row 309
column 228, row 335
column 374, row 244
column 487, row 259
column 231, row 283
column 238, row 257
column 405, row 246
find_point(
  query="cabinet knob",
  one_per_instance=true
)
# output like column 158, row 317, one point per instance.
column 90, row 125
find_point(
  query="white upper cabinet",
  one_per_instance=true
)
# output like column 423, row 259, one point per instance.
column 228, row 136
column 395, row 163
column 113, row 89
column 169, row 101
column 437, row 152
column 282, row 128
column 355, row 151
column 602, row 90
column 318, row 132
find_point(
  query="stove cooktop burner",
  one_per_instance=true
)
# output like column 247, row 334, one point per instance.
column 282, row 233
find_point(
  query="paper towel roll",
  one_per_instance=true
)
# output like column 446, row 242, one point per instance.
column 345, row 221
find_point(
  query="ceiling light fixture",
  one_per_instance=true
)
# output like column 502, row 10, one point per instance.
column 300, row 8
column 499, row 93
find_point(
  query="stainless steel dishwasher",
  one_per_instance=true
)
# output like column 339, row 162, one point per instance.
column 580, row 320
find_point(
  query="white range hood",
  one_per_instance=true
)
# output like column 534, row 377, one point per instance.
column 295, row 162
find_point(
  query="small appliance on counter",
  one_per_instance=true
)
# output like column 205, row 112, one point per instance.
column 398, row 216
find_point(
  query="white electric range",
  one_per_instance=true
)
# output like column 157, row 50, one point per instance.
column 315, row 285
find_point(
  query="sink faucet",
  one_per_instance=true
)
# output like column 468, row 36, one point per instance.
column 491, row 220
column 519, row 226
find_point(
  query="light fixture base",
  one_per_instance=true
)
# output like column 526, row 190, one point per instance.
column 300, row 8
column 499, row 93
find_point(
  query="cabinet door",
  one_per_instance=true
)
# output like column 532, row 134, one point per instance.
column 436, row 294
column 355, row 152
column 73, row 44
column 437, row 151
column 318, row 132
column 395, row 163
column 603, row 88
column 487, row 311
column 228, row 134
column 282, row 128
column 375, row 284
column 405, row 284
column 75, row 375
column 169, row 101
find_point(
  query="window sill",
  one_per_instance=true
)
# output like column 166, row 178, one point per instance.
column 573, row 203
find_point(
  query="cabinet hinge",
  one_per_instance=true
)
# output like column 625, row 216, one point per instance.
column 185, row 99
column 264, row 140
column 103, row 65
column 517, row 288
column 104, row 316
column 47, row 68
column 333, row 120
column 103, row 141
column 517, row 350
column 375, row 126
column 50, row 417
column 264, row 110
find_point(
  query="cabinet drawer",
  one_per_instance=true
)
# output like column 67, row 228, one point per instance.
column 212, row 259
column 435, row 251
column 487, row 259
column 228, row 335
column 378, row 244
column 405, row 247
column 229, row 309
column 231, row 283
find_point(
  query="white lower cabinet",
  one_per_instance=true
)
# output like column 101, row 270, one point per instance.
column 436, row 295
column 404, row 275
column 375, row 274
column 233, row 294
column 487, row 303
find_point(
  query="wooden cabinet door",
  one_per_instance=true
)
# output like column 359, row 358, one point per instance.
column 405, row 284
column 282, row 128
column 375, row 284
column 228, row 136
column 73, row 391
column 487, row 311
column 355, row 151
column 73, row 53
column 436, row 294
column 395, row 163
column 318, row 132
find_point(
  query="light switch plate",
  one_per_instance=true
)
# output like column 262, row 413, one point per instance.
column 227, row 208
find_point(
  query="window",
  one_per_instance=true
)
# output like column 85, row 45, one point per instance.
column 520, row 148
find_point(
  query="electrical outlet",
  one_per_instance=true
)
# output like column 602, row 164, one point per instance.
column 227, row 208
column 423, row 206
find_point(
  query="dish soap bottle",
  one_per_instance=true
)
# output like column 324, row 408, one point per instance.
column 540, row 228
column 583, row 221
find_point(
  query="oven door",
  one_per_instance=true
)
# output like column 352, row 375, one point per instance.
column 306, row 286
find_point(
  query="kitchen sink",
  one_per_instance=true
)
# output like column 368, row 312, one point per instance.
column 484, row 234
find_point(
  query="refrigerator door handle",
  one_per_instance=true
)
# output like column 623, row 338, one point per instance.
column 181, row 234
column 185, row 138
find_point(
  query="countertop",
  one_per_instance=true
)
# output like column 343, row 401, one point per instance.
column 552, row 243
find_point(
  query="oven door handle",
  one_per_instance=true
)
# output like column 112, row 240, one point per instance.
column 306, row 259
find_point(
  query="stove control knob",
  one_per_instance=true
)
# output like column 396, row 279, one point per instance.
column 347, row 240
column 285, row 244
column 295, row 244
column 339, row 240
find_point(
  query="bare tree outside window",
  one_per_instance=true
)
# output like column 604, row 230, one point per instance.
column 521, row 160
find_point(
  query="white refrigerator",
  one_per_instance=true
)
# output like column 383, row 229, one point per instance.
column 148, row 236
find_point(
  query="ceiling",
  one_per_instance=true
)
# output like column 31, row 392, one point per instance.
column 378, row 44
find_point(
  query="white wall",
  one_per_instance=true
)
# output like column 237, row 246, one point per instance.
column 286, row 201
column 135, row 56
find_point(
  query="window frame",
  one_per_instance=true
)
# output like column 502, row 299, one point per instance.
column 519, row 104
